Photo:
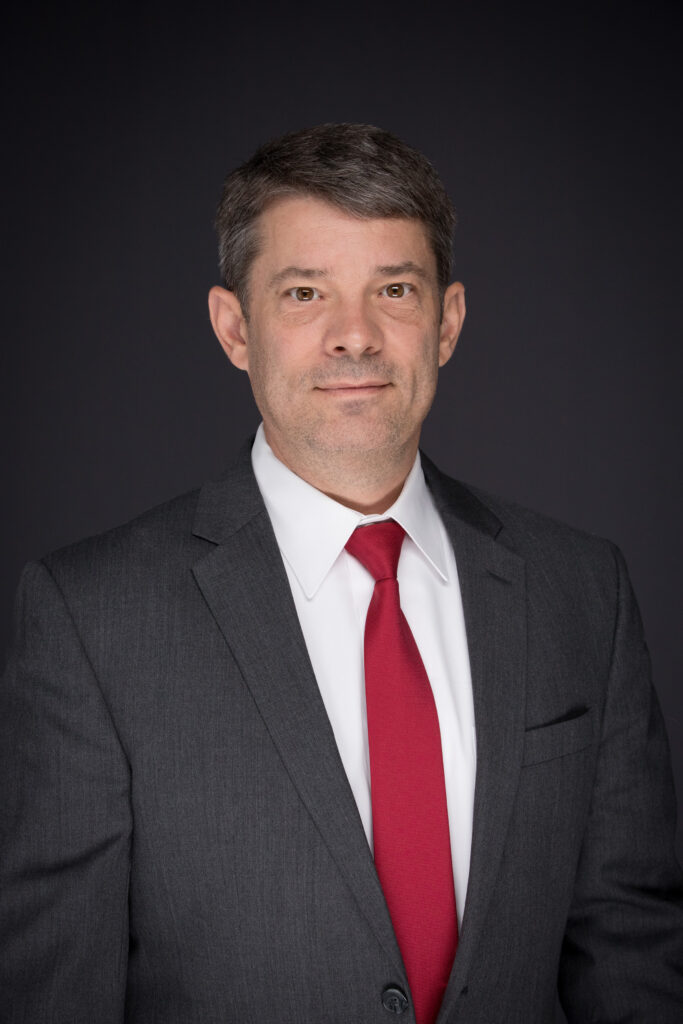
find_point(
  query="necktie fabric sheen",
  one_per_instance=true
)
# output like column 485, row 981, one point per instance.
column 409, row 813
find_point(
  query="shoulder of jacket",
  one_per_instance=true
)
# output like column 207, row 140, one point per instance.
column 161, row 531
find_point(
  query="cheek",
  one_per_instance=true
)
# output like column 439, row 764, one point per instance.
column 272, row 369
column 426, row 371
column 426, row 358
column 260, row 371
column 289, row 354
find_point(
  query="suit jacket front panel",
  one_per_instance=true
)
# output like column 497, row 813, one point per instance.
column 238, row 910
column 589, row 836
column 531, row 840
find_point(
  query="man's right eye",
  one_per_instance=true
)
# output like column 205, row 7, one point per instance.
column 304, row 293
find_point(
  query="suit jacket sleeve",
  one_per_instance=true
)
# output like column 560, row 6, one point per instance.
column 622, row 958
column 65, row 825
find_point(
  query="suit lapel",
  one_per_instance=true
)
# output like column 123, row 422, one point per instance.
column 245, row 585
column 492, row 582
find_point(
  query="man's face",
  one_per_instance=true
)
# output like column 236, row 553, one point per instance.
column 343, row 341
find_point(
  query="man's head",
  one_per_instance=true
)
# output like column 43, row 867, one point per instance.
column 357, row 168
column 339, row 241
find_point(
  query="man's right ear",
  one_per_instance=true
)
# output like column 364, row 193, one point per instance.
column 230, row 325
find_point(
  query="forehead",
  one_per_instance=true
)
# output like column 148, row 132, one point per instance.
column 305, row 231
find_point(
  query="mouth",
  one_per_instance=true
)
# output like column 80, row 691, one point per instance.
column 353, row 388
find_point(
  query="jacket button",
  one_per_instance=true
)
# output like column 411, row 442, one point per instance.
column 394, row 1000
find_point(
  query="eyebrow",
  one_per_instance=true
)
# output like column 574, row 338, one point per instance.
column 408, row 267
column 304, row 272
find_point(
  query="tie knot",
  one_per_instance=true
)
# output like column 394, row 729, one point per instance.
column 378, row 547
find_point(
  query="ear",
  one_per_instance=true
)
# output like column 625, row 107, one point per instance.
column 451, row 321
column 230, row 325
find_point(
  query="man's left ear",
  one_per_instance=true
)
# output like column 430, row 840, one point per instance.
column 451, row 321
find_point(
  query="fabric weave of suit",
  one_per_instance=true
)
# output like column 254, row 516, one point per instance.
column 178, row 840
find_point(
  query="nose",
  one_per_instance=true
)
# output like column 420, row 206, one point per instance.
column 353, row 331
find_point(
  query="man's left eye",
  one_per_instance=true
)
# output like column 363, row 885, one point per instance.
column 396, row 291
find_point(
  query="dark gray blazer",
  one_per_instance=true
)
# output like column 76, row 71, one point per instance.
column 180, row 844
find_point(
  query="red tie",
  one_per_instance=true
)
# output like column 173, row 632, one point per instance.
column 409, row 813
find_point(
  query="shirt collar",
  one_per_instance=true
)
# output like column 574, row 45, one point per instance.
column 312, row 529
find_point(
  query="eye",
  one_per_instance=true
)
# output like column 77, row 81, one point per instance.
column 304, row 293
column 396, row 291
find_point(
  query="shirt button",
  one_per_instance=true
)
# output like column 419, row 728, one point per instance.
column 394, row 1000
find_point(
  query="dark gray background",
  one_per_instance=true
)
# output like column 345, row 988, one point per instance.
column 558, row 135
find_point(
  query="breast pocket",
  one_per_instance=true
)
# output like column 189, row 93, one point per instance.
column 546, row 742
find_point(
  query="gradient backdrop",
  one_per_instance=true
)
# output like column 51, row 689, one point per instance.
column 558, row 135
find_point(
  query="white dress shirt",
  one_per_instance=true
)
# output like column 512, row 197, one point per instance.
column 332, row 592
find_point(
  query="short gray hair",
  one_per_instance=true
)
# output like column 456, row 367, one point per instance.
column 362, row 170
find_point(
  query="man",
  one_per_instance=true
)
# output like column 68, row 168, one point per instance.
column 247, row 777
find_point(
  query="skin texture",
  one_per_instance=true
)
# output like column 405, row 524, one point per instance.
column 343, row 344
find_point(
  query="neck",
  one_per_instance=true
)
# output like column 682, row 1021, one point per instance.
column 364, row 502
column 367, row 482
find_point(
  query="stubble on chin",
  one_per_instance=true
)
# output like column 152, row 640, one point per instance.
column 356, row 450
column 355, row 439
